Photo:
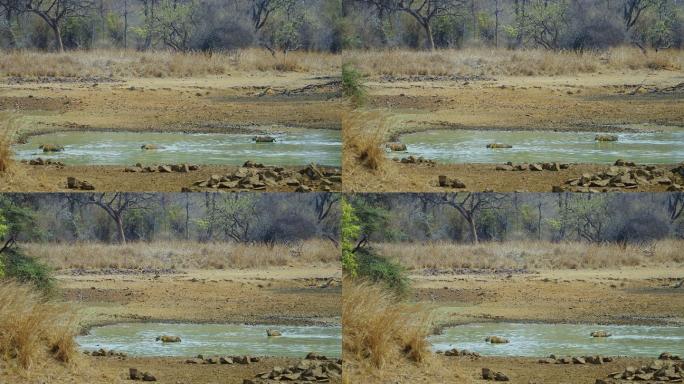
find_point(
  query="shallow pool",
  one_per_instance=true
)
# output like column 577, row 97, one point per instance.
column 138, row 339
column 298, row 147
column 541, row 340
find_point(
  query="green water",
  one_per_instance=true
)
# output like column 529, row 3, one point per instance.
column 138, row 339
column 297, row 147
column 541, row 340
column 469, row 146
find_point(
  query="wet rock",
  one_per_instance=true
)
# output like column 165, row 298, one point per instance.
column 149, row 147
column 264, row 139
column 168, row 339
column 606, row 138
column 396, row 147
column 600, row 334
column 273, row 333
column 51, row 148
column 496, row 340
column 498, row 146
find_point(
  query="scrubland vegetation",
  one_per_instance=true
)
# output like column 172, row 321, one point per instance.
column 180, row 254
column 491, row 62
column 533, row 255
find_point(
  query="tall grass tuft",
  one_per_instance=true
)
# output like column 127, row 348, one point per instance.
column 32, row 328
column 379, row 329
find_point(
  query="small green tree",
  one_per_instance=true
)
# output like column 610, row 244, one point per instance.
column 350, row 233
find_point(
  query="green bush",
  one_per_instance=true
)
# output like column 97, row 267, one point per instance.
column 27, row 270
column 379, row 269
column 352, row 84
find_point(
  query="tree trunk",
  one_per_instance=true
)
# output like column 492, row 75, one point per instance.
column 58, row 37
column 120, row 228
column 473, row 230
column 428, row 32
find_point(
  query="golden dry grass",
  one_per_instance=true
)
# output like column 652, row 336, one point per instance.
column 385, row 339
column 533, row 254
column 32, row 329
column 497, row 62
column 5, row 152
column 182, row 254
column 123, row 64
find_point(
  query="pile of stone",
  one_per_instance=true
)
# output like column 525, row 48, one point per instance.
column 462, row 352
column 580, row 360
column 489, row 374
column 255, row 176
column 223, row 360
column 415, row 160
column 314, row 368
column 134, row 374
column 41, row 161
column 74, row 183
column 103, row 352
column 622, row 175
column 555, row 167
column 164, row 168
column 446, row 182
column 661, row 370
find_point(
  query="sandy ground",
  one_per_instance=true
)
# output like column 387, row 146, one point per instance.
column 584, row 102
column 291, row 295
column 239, row 102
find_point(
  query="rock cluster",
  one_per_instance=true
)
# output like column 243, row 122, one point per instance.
column 462, row 352
column 255, row 176
column 581, row 360
column 606, row 138
column 445, row 182
column 103, row 352
column 555, row 167
column 74, row 183
column 164, row 168
column 661, row 370
column 264, row 139
column 415, row 160
column 622, row 175
column 41, row 161
column 489, row 374
column 224, row 360
column 314, row 368
column 134, row 374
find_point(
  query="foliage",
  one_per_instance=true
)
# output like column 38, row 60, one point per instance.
column 27, row 270
column 351, row 229
column 382, row 270
column 352, row 84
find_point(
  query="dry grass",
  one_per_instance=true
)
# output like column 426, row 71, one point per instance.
column 364, row 162
column 496, row 62
column 385, row 339
column 32, row 329
column 123, row 64
column 5, row 152
column 533, row 255
column 182, row 254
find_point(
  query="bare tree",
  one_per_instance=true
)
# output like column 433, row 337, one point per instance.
column 675, row 205
column 468, row 205
column 423, row 11
column 116, row 205
column 53, row 12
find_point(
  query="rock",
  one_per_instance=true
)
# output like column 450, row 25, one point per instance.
column 303, row 188
column 606, row 138
column 496, row 340
column 546, row 361
column 164, row 169
column 555, row 167
column 148, row 147
column 264, row 139
column 578, row 360
column 134, row 374
column 456, row 183
column 148, row 377
column 225, row 360
column 396, row 147
column 557, row 189
column 273, row 333
column 500, row 377
column 504, row 167
column 51, row 148
column 498, row 145
column 132, row 169
column 600, row 334
column 536, row 167
column 74, row 183
column 442, row 180
column 168, row 339
column 487, row 374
